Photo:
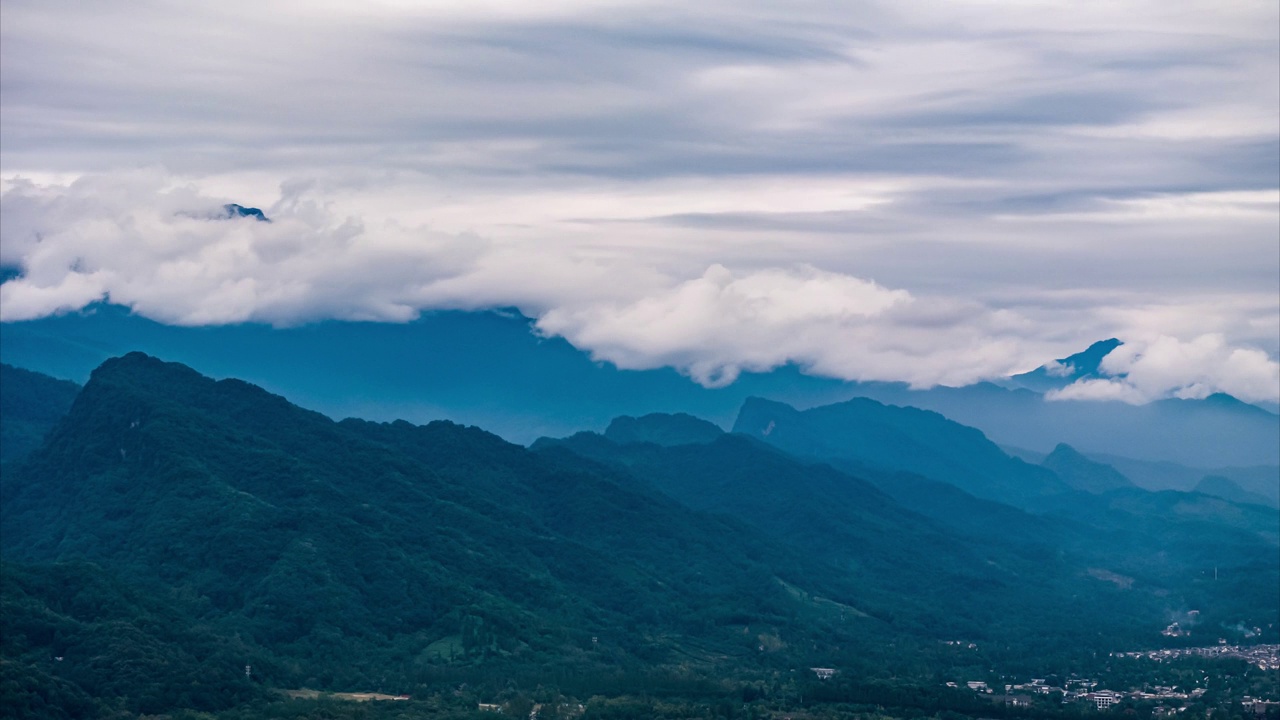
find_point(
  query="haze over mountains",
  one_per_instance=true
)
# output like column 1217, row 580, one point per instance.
column 491, row 370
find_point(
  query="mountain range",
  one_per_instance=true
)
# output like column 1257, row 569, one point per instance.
column 494, row 370
column 172, row 526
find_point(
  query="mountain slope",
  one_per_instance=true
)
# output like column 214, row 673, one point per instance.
column 31, row 404
column 1228, row 489
column 931, row 576
column 74, row 637
column 319, row 539
column 964, row 566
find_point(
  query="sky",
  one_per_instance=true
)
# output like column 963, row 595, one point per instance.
column 927, row 192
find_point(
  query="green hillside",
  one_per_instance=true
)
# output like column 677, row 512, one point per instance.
column 356, row 554
column 31, row 403
column 953, row 564
column 172, row 530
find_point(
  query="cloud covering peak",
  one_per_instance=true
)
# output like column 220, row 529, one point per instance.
column 1164, row 367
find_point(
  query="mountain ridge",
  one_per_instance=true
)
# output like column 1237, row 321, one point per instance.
column 899, row 438
column 494, row 370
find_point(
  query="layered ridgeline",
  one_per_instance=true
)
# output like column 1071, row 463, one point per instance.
column 937, row 578
column 355, row 555
column 1108, row 562
column 1213, row 432
column 494, row 370
column 172, row 529
column 1173, row 541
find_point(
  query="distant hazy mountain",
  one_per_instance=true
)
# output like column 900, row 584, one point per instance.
column 1258, row 480
column 1228, row 489
column 1217, row 431
column 899, row 438
column 491, row 369
column 484, row 368
column 662, row 429
column 1082, row 473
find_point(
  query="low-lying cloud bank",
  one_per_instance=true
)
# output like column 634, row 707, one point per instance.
column 718, row 325
column 164, row 252
column 157, row 245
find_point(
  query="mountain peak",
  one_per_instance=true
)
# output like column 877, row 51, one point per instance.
column 758, row 416
column 141, row 366
column 1064, row 371
column 662, row 429
column 234, row 211
column 1088, row 361
column 1063, row 450
column 1082, row 473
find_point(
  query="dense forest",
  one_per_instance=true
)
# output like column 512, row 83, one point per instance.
column 183, row 546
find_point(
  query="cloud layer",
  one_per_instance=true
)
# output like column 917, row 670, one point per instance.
column 928, row 192
column 1164, row 366
column 715, row 326
column 166, row 253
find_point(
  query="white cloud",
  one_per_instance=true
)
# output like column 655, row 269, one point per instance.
column 137, row 240
column 1099, row 389
column 146, row 239
column 1053, row 368
column 722, row 323
column 1021, row 179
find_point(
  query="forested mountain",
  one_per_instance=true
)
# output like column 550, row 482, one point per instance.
column 31, row 403
column 1167, row 538
column 172, row 529
column 941, row 580
column 959, row 562
column 346, row 553
column 1228, row 489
